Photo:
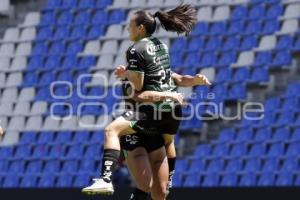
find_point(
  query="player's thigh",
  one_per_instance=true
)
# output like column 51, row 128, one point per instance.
column 120, row 125
column 140, row 168
column 160, row 170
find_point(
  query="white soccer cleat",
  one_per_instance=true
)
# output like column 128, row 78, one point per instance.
column 99, row 187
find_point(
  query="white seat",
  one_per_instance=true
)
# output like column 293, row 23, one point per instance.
column 92, row 48
column 27, row 94
column 125, row 33
column 4, row 64
column 32, row 19
column 24, row 49
column 102, row 79
column 22, row 108
column 162, row 33
column 207, row 2
column 51, row 124
column 16, row 123
column 289, row 26
column 166, row 41
column 113, row 79
column 10, row 95
column 14, row 79
column 119, row 4
column 6, row 108
column 113, row 31
column 11, row 35
column 87, row 122
column 39, row 108
column 172, row 3
column 186, row 92
column 291, row 11
column 124, row 46
column 3, row 122
column 245, row 59
column 105, row 62
column 137, row 3
column 109, row 47
column 2, row 79
column 69, row 124
column 10, row 138
column 5, row 7
column 120, row 60
column 34, row 123
column 221, row 13
column 155, row 4
column 19, row 64
column 210, row 73
column 267, row 43
column 204, row 14
column 192, row 2
column 28, row 34
column 7, row 50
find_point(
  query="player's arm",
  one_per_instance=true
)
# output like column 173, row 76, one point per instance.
column 190, row 81
column 154, row 96
column 1, row 132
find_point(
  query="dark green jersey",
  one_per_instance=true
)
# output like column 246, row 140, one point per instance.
column 151, row 57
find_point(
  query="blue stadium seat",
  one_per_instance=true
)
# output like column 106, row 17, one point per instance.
column 63, row 137
column 272, row 104
column 208, row 59
column 192, row 60
column 48, row 77
column 181, row 165
column 290, row 103
column 200, row 28
column 74, row 48
column 238, row 150
column 56, row 151
column 210, row 180
column 292, row 90
column 43, row 94
column 239, row 13
column 229, row 180
column 244, row 135
column 61, row 33
column 252, row 165
column 46, row 181
column 257, row 150
column 65, row 18
column 297, row 181
column 201, row 151
column 27, row 138
column 233, row 166
column 103, row 3
column 293, row 149
column 3, row 166
column 74, row 152
column 284, row 43
column 285, row 118
column 281, row 134
column 11, row 181
column 271, row 164
column 177, row 179
column 22, row 151
column 16, row 167
column 296, row 46
column 290, row 165
column 100, row 18
column 90, row 152
column 266, row 179
column 215, row 165
column 235, row 28
column 256, row 12
column 67, row 4
column 220, row 150
column 237, row 91
column 28, row 181
column 82, row 18
column 231, row 43
column 48, row 18
column 282, row 59
column 226, row 135
column 274, row 11
column 218, row 28
column 95, row 32
column 51, row 167
column 52, row 62
column 116, row 16
column 224, row 75
column 241, row 75
column 56, row 49
column 276, row 150
column 70, row 166
column 227, row 58
column 269, row 118
column 40, row 48
column 81, row 180
column 34, row 167
column 78, row 32
column 284, row 179
column 220, row 91
column 87, row 166
column 295, row 136
column 253, row 28
column 44, row 33
column 259, row 75
column 52, row 4
column 192, row 180
column 213, row 44
column 69, row 62
column 271, row 26
column 248, row 180
column 196, row 166
column 179, row 45
column 35, row 62
column 87, row 4
column 64, row 181
column 194, row 45
column 263, row 58
column 249, row 42
column 249, row 119
column 81, row 137
column 40, row 151
column 87, row 61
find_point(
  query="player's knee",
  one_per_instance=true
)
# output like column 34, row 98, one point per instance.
column 159, row 193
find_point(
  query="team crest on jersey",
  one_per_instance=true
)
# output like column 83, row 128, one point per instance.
column 132, row 139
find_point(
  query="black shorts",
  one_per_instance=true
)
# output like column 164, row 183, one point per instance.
column 149, row 142
column 147, row 121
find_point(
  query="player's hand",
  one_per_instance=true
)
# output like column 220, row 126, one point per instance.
column 201, row 80
column 178, row 97
column 120, row 71
column 1, row 132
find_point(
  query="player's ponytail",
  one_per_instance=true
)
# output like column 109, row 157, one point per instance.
column 180, row 19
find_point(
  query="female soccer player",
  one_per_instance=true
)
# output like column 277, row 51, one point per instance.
column 148, row 70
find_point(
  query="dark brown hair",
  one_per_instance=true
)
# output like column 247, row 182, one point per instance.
column 180, row 19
